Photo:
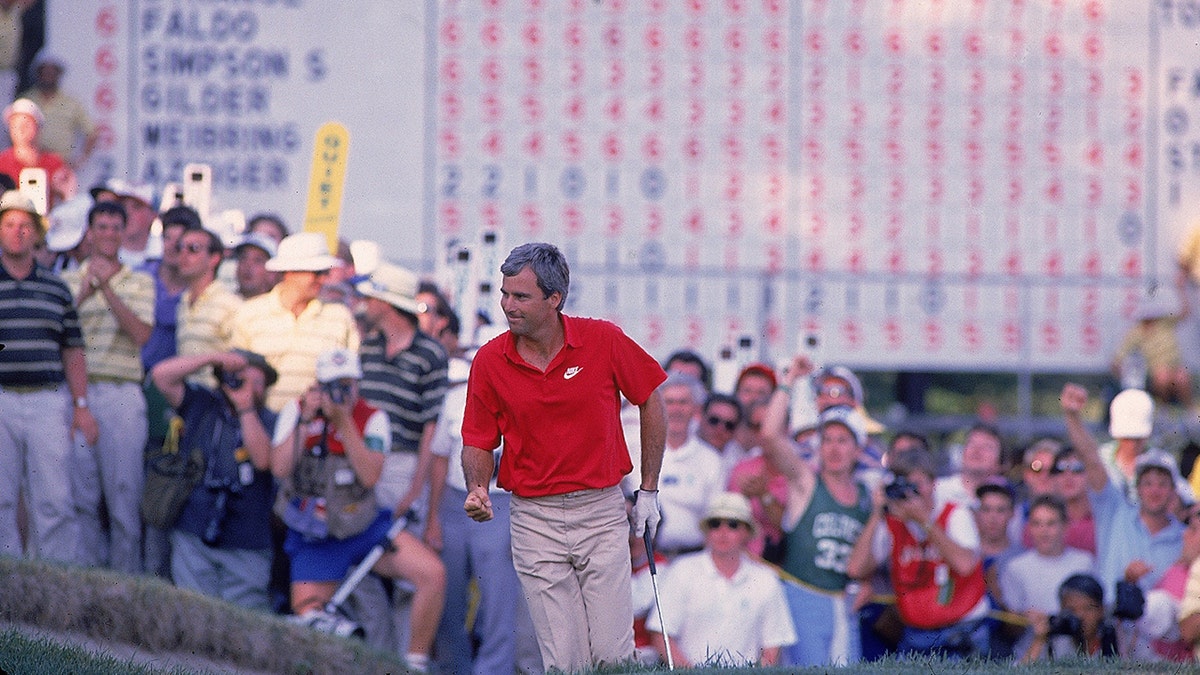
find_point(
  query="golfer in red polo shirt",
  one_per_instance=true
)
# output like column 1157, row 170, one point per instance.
column 551, row 387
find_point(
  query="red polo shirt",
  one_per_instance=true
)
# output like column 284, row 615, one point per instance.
column 561, row 428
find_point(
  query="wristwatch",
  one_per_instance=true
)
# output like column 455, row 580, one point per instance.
column 81, row 402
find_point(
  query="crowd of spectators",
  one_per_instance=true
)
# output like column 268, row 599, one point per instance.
column 324, row 390
column 820, row 535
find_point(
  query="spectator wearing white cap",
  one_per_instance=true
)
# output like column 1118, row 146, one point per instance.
column 719, row 606
column 1165, row 631
column 251, row 255
column 1131, row 423
column 244, row 270
column 68, row 130
column 404, row 375
column 289, row 325
column 24, row 120
column 1136, row 540
column 328, row 451
column 42, row 370
column 141, row 244
column 824, row 512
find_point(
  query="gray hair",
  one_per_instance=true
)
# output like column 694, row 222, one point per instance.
column 548, row 265
column 695, row 387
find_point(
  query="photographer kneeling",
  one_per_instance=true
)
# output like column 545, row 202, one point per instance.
column 934, row 562
column 1079, row 629
column 221, row 541
column 328, row 454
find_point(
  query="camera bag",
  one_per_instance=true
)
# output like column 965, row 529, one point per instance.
column 171, row 476
column 323, row 497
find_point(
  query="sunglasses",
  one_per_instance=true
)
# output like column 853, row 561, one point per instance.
column 1069, row 466
column 191, row 248
column 713, row 420
column 714, row 523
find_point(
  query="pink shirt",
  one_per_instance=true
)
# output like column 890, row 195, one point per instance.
column 777, row 486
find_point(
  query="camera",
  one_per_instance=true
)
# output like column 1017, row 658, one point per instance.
column 221, row 489
column 338, row 392
column 228, row 379
column 1064, row 624
column 900, row 488
column 213, row 530
column 1130, row 601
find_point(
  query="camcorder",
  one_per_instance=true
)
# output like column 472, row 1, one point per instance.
column 338, row 392
column 900, row 488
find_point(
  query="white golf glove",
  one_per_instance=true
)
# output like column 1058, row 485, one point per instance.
column 645, row 513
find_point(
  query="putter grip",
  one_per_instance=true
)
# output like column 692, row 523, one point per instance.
column 649, row 551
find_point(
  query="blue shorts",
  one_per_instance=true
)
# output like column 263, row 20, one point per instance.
column 330, row 559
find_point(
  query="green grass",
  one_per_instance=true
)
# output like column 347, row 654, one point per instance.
column 156, row 618
column 937, row 666
column 21, row 654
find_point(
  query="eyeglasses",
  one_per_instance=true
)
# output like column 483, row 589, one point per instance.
column 833, row 390
column 1069, row 466
column 713, row 420
column 714, row 523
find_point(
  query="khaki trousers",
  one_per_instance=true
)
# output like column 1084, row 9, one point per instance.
column 571, row 553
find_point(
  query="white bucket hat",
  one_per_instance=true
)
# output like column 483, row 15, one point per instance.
column 302, row 252
column 732, row 506
column 338, row 364
column 394, row 285
column 68, row 222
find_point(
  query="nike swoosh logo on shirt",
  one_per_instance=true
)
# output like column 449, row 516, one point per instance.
column 572, row 372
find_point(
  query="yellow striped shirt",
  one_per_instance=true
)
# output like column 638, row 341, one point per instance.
column 205, row 326
column 110, row 352
column 290, row 343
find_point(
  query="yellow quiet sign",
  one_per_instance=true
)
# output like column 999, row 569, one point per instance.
column 325, row 183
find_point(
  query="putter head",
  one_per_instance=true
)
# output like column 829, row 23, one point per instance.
column 330, row 623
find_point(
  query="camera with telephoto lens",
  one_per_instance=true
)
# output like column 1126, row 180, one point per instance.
column 1064, row 624
column 338, row 392
column 900, row 488
column 228, row 379
column 221, row 489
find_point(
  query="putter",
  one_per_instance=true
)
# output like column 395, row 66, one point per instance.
column 657, row 604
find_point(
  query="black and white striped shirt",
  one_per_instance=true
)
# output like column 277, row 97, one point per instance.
column 37, row 321
column 409, row 388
